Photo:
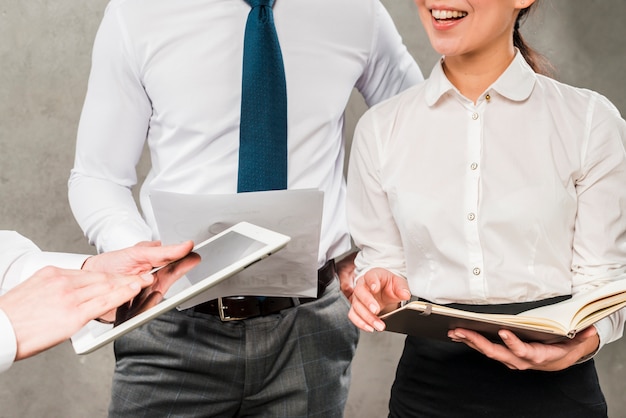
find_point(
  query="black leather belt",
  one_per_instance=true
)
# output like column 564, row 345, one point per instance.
column 236, row 308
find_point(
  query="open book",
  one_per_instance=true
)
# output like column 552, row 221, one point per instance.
column 546, row 324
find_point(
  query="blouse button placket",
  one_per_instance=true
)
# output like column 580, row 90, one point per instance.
column 475, row 255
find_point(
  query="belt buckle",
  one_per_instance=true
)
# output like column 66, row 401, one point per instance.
column 224, row 317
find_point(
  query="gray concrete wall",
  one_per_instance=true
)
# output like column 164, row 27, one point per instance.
column 44, row 61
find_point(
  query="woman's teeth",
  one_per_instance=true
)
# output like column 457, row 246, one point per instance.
column 448, row 14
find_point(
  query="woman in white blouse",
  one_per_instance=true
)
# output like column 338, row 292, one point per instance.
column 488, row 184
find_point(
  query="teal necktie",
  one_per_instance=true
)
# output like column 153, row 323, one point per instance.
column 263, row 129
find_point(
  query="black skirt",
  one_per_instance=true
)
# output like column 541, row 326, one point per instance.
column 449, row 380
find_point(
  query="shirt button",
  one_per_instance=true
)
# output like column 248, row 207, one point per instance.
column 474, row 166
column 471, row 216
column 476, row 271
column 474, row 116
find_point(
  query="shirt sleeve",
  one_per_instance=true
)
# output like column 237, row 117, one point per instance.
column 115, row 116
column 20, row 258
column 379, row 241
column 390, row 69
column 8, row 345
column 600, row 231
column 13, row 248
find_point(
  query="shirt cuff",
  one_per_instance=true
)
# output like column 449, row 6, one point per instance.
column 360, row 273
column 8, row 343
column 123, row 236
column 34, row 262
column 604, row 328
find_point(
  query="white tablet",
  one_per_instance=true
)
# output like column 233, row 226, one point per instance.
column 211, row 262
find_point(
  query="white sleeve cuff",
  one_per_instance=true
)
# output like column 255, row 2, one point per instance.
column 360, row 273
column 32, row 263
column 8, row 343
column 606, row 334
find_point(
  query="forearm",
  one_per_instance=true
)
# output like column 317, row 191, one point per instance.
column 379, row 242
column 106, row 212
column 111, row 135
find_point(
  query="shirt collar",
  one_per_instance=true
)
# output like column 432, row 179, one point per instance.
column 516, row 83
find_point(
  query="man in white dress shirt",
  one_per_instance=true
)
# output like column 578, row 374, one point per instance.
column 42, row 306
column 170, row 73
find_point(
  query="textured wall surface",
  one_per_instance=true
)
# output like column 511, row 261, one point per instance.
column 44, row 62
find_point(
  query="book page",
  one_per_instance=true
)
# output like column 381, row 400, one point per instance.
column 528, row 322
column 571, row 312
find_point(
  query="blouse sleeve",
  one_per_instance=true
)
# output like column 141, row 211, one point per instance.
column 599, row 247
column 371, row 220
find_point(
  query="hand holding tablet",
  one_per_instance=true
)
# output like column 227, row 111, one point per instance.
column 209, row 263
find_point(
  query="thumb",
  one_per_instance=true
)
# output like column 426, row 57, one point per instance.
column 401, row 288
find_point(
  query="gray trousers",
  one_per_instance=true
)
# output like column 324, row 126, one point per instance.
column 295, row 363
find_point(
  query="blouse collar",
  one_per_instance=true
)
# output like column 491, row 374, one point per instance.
column 516, row 83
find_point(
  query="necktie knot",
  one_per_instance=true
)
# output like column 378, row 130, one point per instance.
column 257, row 3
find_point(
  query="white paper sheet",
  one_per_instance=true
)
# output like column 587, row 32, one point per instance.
column 296, row 213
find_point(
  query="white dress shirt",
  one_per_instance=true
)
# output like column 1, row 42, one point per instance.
column 170, row 72
column 19, row 259
column 517, row 197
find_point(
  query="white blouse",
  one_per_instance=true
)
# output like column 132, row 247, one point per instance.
column 517, row 197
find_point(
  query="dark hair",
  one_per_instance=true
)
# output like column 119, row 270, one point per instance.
column 537, row 62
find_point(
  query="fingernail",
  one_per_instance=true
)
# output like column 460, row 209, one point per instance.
column 453, row 337
column 373, row 308
column 135, row 286
column 407, row 293
column 503, row 335
column 459, row 335
column 379, row 325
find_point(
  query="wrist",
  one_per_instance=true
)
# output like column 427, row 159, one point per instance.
column 591, row 349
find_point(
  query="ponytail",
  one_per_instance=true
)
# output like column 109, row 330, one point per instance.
column 537, row 62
